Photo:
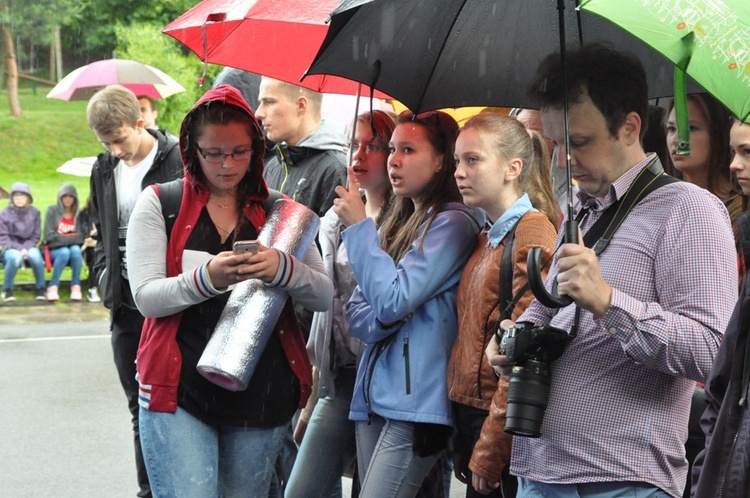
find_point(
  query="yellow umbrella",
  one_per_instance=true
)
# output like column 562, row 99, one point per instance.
column 460, row 114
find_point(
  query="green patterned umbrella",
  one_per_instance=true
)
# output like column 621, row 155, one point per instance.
column 709, row 40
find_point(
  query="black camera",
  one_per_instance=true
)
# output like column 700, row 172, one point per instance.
column 530, row 350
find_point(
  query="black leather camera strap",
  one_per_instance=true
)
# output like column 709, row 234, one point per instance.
column 601, row 232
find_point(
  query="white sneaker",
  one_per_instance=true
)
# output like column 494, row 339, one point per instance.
column 8, row 295
column 52, row 294
column 94, row 295
column 75, row 293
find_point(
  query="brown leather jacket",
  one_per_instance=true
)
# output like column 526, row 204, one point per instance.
column 471, row 380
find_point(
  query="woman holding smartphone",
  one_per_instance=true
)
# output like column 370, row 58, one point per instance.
column 199, row 439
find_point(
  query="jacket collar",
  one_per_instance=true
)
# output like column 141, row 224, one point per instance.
column 508, row 220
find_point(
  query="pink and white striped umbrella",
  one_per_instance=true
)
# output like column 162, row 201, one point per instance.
column 140, row 78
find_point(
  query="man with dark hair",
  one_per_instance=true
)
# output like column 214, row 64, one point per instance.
column 649, row 310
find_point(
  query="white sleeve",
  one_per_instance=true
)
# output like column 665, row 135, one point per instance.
column 155, row 294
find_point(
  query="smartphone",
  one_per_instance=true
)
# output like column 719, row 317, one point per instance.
column 243, row 246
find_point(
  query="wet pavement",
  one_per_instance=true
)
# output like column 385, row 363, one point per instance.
column 64, row 425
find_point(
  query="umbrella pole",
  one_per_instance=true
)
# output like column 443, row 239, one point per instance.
column 354, row 129
column 534, row 264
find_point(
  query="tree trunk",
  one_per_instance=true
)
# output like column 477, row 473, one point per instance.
column 58, row 54
column 12, row 67
column 52, row 62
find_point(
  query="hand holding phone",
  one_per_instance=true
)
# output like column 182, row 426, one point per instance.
column 245, row 246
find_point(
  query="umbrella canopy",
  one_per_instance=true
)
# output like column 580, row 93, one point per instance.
column 708, row 40
column 140, row 78
column 459, row 53
column 276, row 38
column 78, row 166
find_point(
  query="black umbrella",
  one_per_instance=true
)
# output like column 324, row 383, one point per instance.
column 452, row 53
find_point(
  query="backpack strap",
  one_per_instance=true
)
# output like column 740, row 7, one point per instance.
column 170, row 196
column 506, row 276
column 273, row 196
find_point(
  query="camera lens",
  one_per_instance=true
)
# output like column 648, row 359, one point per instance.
column 528, row 394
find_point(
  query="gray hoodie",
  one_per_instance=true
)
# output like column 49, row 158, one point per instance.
column 309, row 171
column 54, row 214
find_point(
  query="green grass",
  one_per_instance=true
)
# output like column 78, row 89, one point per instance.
column 48, row 133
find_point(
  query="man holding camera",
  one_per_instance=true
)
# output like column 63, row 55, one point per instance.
column 647, row 313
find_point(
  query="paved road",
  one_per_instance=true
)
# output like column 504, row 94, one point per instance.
column 64, row 425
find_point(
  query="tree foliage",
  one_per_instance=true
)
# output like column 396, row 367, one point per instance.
column 145, row 43
column 94, row 34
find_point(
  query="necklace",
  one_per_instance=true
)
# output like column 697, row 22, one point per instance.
column 222, row 206
column 228, row 232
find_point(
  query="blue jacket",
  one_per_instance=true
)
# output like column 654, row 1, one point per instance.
column 404, row 367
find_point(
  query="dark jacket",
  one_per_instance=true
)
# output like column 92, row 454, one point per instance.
column 309, row 171
column 52, row 218
column 722, row 469
column 107, row 265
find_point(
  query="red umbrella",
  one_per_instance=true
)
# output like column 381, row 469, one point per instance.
column 140, row 78
column 276, row 38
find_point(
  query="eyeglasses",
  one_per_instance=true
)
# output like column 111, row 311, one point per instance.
column 220, row 157
column 369, row 148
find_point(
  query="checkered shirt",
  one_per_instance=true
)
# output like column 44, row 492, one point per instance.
column 620, row 395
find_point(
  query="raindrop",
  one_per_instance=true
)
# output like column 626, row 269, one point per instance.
column 482, row 70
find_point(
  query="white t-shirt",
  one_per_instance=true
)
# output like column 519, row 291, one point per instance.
column 128, row 181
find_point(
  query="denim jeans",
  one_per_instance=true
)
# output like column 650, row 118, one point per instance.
column 13, row 260
column 388, row 464
column 533, row 489
column 329, row 446
column 187, row 458
column 62, row 257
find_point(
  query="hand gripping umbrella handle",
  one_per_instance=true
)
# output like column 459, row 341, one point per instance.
column 534, row 267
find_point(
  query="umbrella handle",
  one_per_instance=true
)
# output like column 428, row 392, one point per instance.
column 534, row 268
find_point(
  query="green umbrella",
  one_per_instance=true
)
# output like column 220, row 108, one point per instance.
column 709, row 40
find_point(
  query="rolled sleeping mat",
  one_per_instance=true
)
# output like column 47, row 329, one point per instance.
column 253, row 308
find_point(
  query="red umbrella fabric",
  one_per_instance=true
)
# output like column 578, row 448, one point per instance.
column 140, row 78
column 276, row 38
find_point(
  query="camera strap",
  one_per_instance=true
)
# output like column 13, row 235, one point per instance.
column 649, row 179
column 600, row 234
column 506, row 277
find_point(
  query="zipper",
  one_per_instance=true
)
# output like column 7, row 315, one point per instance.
column 374, row 355
column 723, row 478
column 286, row 169
column 406, row 364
